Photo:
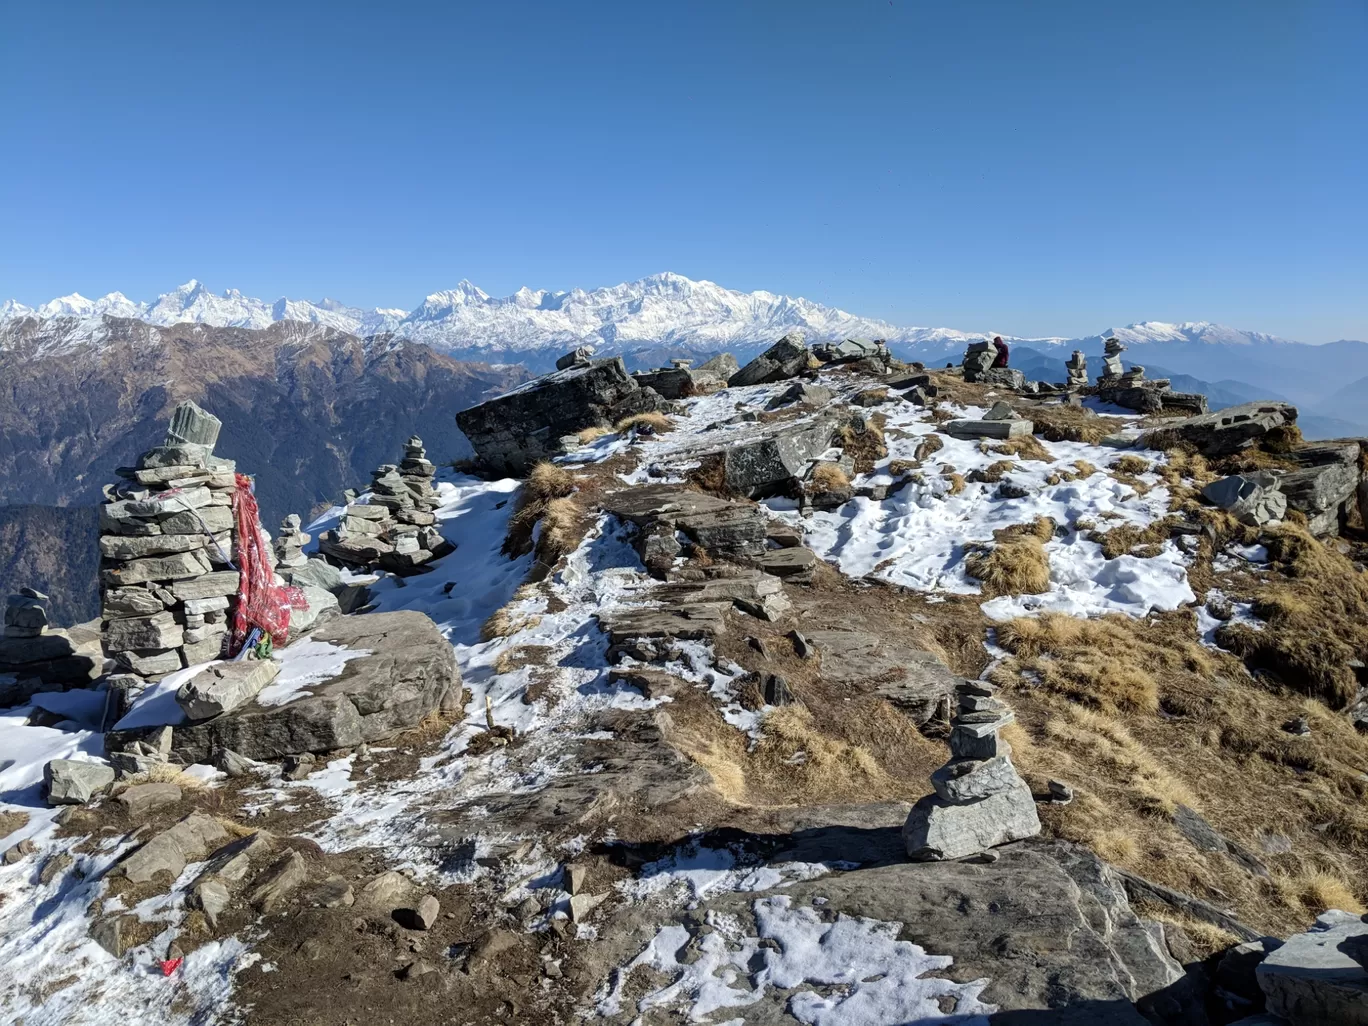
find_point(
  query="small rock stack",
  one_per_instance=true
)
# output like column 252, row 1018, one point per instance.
column 25, row 614
column 1076, row 367
column 396, row 529
column 34, row 657
column 167, row 545
column 289, row 544
column 980, row 800
column 1111, row 359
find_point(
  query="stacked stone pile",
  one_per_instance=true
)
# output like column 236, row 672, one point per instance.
column 35, row 657
column 1111, row 358
column 1076, row 367
column 396, row 529
column 978, row 367
column 980, row 800
column 167, row 544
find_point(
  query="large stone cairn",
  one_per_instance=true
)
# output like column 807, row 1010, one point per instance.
column 980, row 800
column 396, row 529
column 167, row 543
column 978, row 360
column 1111, row 358
column 1076, row 367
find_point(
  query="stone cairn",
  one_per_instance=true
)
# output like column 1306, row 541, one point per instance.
column 980, row 800
column 396, row 529
column 289, row 544
column 1111, row 359
column 167, row 544
column 1077, row 369
column 978, row 360
column 35, row 657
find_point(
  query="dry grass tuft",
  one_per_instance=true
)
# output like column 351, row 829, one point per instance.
column 1108, row 663
column 1316, row 616
column 1318, row 890
column 828, row 477
column 590, row 434
column 10, row 821
column 1129, row 762
column 1127, row 539
column 710, row 476
column 1084, row 468
column 504, row 623
column 956, row 480
column 1016, row 564
column 994, row 472
column 866, row 447
column 161, row 773
column 1131, row 464
column 1026, row 447
column 1204, row 938
column 1058, row 422
column 652, row 423
column 547, row 486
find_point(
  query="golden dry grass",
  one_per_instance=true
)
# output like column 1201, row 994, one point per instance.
column 1131, row 464
column 1108, row 663
column 1316, row 613
column 1058, row 422
column 10, row 821
column 161, row 773
column 1026, row 447
column 648, row 423
column 590, row 434
column 546, row 483
column 865, row 447
column 928, row 446
column 1127, row 539
column 1016, row 562
column 1319, row 890
column 994, row 472
column 956, row 481
column 828, row 477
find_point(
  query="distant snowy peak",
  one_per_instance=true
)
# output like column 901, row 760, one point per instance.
column 1189, row 331
column 662, row 310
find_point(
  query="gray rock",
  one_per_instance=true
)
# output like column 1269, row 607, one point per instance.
column 804, row 394
column 575, row 357
column 163, row 568
column 753, row 592
column 116, row 934
column 422, row 916
column 735, row 530
column 319, row 605
column 228, row 761
column 168, row 852
column 987, row 428
column 849, row 349
column 386, row 890
column 210, row 895
column 1325, row 488
column 1059, row 791
column 979, row 740
column 410, row 670
column 1251, row 498
column 334, row 892
column 151, row 662
column 1313, row 980
column 1224, row 432
column 966, row 780
column 158, row 631
column 514, row 431
column 936, row 829
column 225, row 687
column 1000, row 411
column 213, row 519
column 130, row 602
column 210, row 585
column 770, row 462
column 279, row 882
column 785, row 359
column 1002, row 377
column 318, row 573
column 73, row 782
column 141, row 799
column 794, row 564
column 191, row 425
column 174, row 456
column 915, row 681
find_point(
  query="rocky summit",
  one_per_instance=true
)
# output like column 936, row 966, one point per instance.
column 815, row 687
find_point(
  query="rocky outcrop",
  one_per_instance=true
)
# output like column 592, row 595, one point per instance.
column 734, row 530
column 410, row 671
column 518, row 429
column 1251, row 498
column 915, row 681
column 1325, row 487
column 1224, row 432
column 38, row 656
column 787, row 358
column 771, row 461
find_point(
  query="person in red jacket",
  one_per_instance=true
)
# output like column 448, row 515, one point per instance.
column 1001, row 348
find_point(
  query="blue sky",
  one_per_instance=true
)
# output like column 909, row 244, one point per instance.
column 1042, row 168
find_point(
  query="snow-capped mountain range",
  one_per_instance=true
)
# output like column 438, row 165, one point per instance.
column 660, row 310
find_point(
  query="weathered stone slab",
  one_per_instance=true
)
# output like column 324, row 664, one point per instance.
column 721, row 526
column 795, row 562
column 142, row 799
column 159, row 630
column 752, row 592
column 803, row 393
column 191, row 425
column 121, row 546
column 915, row 681
column 769, row 463
column 221, row 582
column 193, row 456
column 164, row 503
column 215, row 519
column 224, row 687
column 158, row 568
column 153, row 662
column 936, row 829
column 130, row 602
column 987, row 428
column 1317, row 978
column 167, row 853
column 1251, row 498
column 1223, row 432
column 75, row 782
column 410, row 670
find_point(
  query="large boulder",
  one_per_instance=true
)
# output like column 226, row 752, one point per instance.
column 1325, row 486
column 1224, row 432
column 409, row 672
column 771, row 462
column 724, row 527
column 1251, row 498
column 512, row 432
column 1317, row 978
column 75, row 782
column 937, row 829
column 787, row 358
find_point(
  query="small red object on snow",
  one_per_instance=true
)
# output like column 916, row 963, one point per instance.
column 171, row 965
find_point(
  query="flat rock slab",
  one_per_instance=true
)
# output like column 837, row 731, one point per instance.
column 987, row 428
column 1223, row 432
column 225, row 687
column 410, row 670
column 1314, row 978
column 722, row 526
column 915, row 681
